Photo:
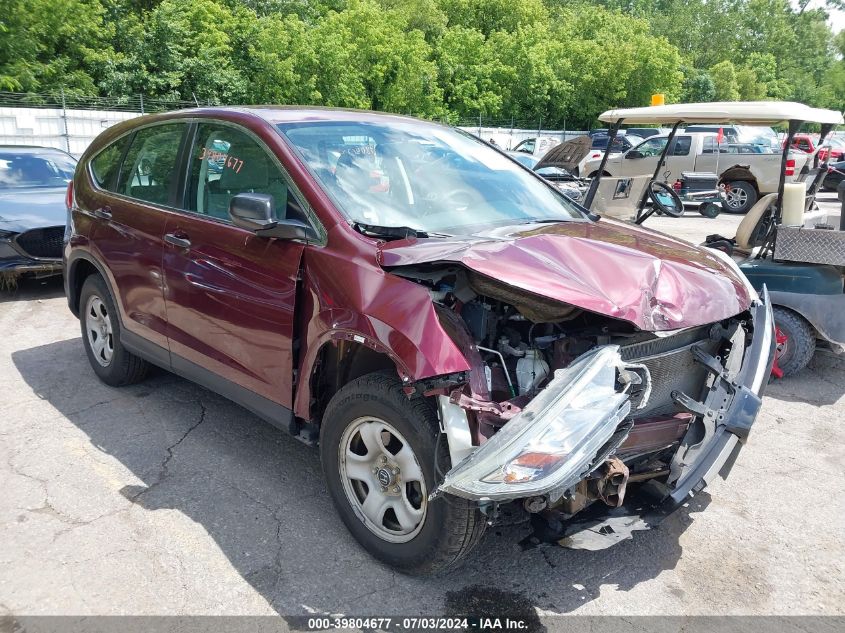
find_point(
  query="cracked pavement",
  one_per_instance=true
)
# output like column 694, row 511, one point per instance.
column 164, row 498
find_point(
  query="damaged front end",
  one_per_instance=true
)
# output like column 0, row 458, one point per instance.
column 564, row 408
column 563, row 433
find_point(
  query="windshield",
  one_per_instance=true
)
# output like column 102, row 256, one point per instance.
column 524, row 159
column 25, row 169
column 428, row 178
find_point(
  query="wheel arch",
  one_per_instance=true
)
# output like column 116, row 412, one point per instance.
column 339, row 360
column 78, row 269
column 739, row 172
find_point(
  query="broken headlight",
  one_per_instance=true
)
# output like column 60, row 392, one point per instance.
column 552, row 443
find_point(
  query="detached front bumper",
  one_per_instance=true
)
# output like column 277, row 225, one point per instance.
column 729, row 409
column 726, row 414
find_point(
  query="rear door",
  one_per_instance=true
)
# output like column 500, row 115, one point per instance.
column 130, row 219
column 230, row 294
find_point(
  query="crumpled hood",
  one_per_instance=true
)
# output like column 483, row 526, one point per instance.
column 24, row 209
column 622, row 271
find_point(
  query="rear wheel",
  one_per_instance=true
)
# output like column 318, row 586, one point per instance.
column 379, row 450
column 112, row 362
column 798, row 343
column 740, row 196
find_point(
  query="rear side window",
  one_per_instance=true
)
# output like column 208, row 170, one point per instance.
column 106, row 164
column 149, row 168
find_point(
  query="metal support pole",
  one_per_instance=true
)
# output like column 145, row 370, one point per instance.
column 594, row 183
column 64, row 121
column 794, row 126
column 141, row 96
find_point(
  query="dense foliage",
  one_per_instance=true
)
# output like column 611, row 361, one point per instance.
column 555, row 61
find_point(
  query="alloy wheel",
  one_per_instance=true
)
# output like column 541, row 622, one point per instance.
column 736, row 198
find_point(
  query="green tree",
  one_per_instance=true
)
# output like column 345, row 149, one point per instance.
column 698, row 86
column 490, row 16
column 369, row 59
column 468, row 70
column 49, row 44
column 724, row 81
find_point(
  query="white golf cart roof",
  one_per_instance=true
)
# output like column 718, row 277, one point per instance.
column 748, row 112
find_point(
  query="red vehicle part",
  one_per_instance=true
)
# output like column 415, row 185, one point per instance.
column 780, row 340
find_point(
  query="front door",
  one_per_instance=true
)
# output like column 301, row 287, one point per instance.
column 230, row 294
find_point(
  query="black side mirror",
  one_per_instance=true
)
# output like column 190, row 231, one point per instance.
column 254, row 212
column 634, row 153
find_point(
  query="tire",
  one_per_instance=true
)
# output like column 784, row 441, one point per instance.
column 449, row 527
column 800, row 342
column 112, row 362
column 742, row 200
column 709, row 209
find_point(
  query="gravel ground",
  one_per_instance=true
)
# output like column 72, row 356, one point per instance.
column 164, row 498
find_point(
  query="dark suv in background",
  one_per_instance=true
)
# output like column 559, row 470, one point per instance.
column 452, row 331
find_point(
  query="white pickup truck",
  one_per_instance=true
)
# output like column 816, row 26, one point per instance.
column 748, row 171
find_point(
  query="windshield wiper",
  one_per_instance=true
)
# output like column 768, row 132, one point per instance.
column 394, row 232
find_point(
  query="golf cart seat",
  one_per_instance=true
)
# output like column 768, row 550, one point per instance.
column 743, row 243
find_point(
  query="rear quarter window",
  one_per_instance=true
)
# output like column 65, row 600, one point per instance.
column 106, row 164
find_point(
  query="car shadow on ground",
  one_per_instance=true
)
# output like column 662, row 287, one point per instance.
column 29, row 289
column 260, row 495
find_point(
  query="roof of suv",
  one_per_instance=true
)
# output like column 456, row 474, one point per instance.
column 298, row 114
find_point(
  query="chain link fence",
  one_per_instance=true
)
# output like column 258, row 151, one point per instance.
column 69, row 101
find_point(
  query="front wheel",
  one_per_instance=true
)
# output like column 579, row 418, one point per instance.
column 380, row 454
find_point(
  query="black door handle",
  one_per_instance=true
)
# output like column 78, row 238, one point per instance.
column 103, row 213
column 176, row 240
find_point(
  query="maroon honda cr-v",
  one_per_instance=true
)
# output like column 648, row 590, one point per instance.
column 454, row 333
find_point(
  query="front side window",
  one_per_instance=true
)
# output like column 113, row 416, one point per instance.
column 26, row 169
column 149, row 169
column 227, row 161
column 106, row 164
column 652, row 146
column 428, row 178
